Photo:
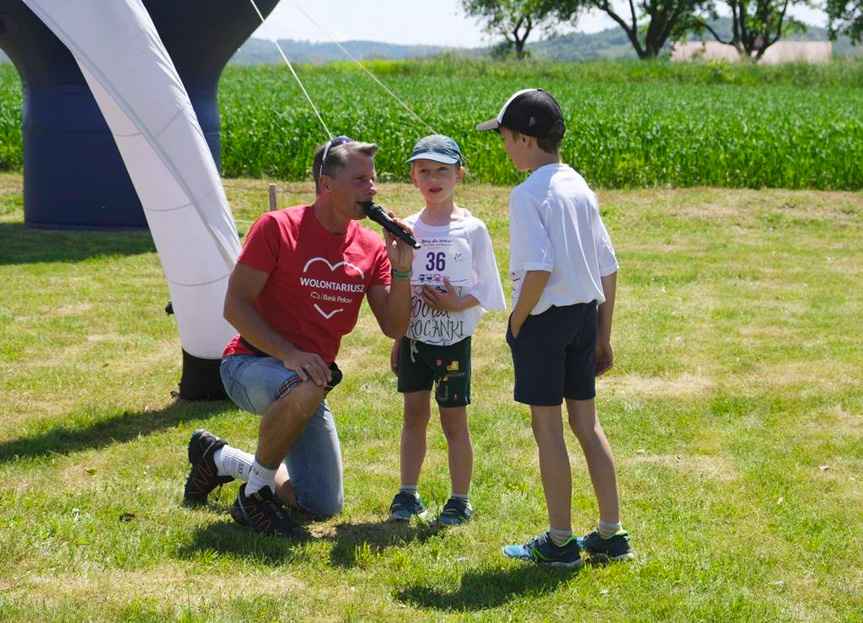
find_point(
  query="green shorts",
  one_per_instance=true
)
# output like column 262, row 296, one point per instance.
column 423, row 365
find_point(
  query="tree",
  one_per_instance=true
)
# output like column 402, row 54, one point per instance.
column 513, row 19
column 845, row 16
column 649, row 23
column 755, row 24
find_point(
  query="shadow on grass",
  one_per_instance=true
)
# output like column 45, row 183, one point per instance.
column 118, row 428
column 22, row 245
column 482, row 589
column 355, row 542
column 228, row 539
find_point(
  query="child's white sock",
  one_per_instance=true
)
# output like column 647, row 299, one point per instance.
column 412, row 489
column 464, row 497
column 607, row 529
column 260, row 477
column 233, row 462
column 559, row 537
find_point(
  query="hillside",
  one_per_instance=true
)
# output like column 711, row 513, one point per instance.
column 261, row 51
column 610, row 44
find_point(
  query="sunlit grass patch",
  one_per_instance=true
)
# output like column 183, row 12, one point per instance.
column 734, row 409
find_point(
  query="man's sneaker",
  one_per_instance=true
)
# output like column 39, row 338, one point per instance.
column 615, row 547
column 263, row 512
column 406, row 505
column 203, row 477
column 456, row 512
column 543, row 550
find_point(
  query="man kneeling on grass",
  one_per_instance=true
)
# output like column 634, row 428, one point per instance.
column 295, row 291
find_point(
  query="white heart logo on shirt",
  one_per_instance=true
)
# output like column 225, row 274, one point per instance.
column 326, row 315
column 332, row 268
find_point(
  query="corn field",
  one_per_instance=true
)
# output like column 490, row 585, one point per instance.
column 628, row 125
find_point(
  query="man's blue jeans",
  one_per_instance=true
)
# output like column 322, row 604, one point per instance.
column 315, row 462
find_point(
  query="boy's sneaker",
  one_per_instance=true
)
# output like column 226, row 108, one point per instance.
column 263, row 512
column 542, row 550
column 406, row 505
column 615, row 547
column 204, row 476
column 456, row 512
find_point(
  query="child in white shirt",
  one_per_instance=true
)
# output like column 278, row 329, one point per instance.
column 455, row 281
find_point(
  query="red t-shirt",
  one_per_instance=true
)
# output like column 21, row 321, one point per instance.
column 317, row 279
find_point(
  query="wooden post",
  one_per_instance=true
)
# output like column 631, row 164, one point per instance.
column 272, row 193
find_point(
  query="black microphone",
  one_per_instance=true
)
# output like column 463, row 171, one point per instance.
column 377, row 214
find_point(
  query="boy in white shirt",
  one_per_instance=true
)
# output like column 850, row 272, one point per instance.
column 454, row 282
column 562, row 266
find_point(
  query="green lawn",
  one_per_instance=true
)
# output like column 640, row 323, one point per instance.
column 735, row 410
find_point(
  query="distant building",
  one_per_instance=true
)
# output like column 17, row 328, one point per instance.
column 779, row 52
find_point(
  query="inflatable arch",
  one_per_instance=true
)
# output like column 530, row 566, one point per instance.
column 147, row 107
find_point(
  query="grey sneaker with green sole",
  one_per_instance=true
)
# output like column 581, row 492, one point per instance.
column 615, row 547
column 456, row 512
column 542, row 550
column 406, row 505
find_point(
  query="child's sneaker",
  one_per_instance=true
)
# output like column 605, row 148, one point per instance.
column 542, row 550
column 456, row 512
column 406, row 505
column 615, row 547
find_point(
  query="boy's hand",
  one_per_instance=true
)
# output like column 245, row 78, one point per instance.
column 604, row 357
column 515, row 324
column 442, row 301
column 394, row 357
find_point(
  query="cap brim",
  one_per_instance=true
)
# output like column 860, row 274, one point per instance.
column 485, row 126
column 443, row 159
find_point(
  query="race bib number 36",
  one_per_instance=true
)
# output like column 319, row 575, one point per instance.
column 442, row 257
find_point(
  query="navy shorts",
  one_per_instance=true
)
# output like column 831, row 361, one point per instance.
column 554, row 355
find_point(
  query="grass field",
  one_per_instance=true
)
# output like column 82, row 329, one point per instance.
column 735, row 410
column 630, row 124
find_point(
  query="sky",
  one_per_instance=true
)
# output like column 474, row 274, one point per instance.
column 438, row 22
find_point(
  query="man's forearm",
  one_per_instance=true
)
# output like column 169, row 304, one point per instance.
column 606, row 309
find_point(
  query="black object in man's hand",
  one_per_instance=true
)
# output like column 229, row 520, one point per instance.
column 377, row 214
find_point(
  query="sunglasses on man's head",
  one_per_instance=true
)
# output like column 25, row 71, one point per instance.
column 339, row 140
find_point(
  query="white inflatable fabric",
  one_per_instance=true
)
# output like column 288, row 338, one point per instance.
column 151, row 117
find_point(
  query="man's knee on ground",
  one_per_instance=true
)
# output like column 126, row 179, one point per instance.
column 325, row 503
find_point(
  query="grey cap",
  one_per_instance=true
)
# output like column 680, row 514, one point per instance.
column 437, row 147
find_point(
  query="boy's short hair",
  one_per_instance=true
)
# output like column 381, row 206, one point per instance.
column 532, row 112
column 549, row 144
column 438, row 148
column 337, row 151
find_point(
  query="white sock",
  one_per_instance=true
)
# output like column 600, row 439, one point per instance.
column 233, row 462
column 607, row 529
column 412, row 489
column 464, row 497
column 559, row 537
column 260, row 477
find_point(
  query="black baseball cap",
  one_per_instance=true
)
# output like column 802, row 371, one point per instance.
column 532, row 112
column 437, row 147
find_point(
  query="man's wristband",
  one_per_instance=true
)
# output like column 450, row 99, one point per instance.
column 402, row 274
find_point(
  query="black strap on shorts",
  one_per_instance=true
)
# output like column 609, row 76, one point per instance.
column 335, row 372
column 257, row 352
